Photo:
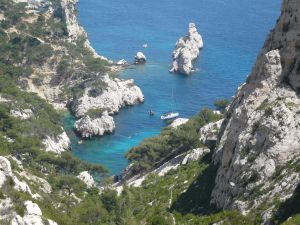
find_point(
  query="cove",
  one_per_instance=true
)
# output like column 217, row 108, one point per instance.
column 233, row 32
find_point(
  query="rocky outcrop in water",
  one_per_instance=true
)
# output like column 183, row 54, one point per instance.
column 122, row 62
column 89, row 127
column 259, row 144
column 118, row 93
column 186, row 51
column 140, row 58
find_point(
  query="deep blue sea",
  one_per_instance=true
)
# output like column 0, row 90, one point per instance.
column 233, row 32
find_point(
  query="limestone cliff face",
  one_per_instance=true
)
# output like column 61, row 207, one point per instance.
column 88, row 127
column 259, row 142
column 75, row 30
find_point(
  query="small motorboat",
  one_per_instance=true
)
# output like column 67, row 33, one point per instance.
column 145, row 45
column 151, row 113
column 169, row 115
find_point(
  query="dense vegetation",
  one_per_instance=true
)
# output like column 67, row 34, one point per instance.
column 171, row 142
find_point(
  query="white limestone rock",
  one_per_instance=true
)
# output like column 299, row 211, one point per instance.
column 86, row 177
column 140, row 58
column 21, row 185
column 38, row 5
column 6, row 209
column 194, row 155
column 178, row 122
column 33, row 215
column 5, row 170
column 186, row 51
column 209, row 130
column 172, row 164
column 117, row 94
column 261, row 131
column 3, row 99
column 22, row 114
column 122, row 62
column 43, row 184
column 32, row 208
column 57, row 143
column 88, row 127
column 17, row 220
column 181, row 159
column 75, row 31
column 51, row 222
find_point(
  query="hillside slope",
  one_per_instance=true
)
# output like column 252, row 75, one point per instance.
column 259, row 145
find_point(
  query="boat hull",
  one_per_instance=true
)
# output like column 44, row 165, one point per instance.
column 169, row 116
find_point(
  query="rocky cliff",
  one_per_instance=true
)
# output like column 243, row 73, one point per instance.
column 259, row 143
column 88, row 127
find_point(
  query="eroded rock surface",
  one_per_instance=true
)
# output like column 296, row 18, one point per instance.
column 261, row 132
column 86, row 177
column 140, row 58
column 88, row 127
column 57, row 143
column 118, row 93
column 186, row 51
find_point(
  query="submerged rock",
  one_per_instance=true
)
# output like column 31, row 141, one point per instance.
column 140, row 58
column 88, row 127
column 186, row 51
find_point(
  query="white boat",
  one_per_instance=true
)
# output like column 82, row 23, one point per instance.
column 169, row 115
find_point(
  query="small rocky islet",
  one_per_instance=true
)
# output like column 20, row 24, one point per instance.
column 186, row 51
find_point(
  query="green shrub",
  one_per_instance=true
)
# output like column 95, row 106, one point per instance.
column 39, row 54
column 221, row 104
column 95, row 113
column 156, row 150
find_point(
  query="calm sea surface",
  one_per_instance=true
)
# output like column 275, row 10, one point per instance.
column 233, row 33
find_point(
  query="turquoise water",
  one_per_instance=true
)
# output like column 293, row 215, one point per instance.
column 233, row 33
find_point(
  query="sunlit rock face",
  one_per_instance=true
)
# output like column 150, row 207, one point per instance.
column 260, row 135
column 186, row 51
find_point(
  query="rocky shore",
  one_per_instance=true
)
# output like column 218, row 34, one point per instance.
column 88, row 127
column 117, row 94
column 186, row 51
